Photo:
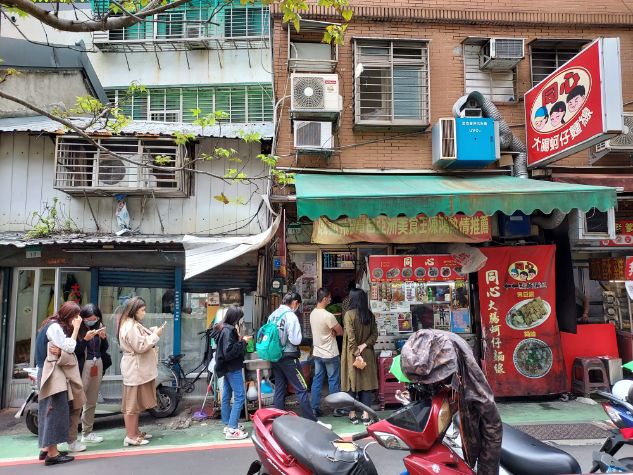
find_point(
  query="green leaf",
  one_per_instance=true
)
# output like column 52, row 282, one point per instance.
column 222, row 198
column 347, row 14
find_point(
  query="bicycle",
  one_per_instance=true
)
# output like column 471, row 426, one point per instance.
column 173, row 383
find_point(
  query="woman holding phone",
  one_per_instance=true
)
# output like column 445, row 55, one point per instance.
column 139, row 368
column 91, row 351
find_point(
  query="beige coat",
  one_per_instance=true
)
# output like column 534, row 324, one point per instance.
column 139, row 364
column 59, row 374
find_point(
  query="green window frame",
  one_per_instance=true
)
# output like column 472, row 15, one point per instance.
column 243, row 103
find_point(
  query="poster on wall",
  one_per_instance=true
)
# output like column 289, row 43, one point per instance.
column 517, row 297
column 577, row 106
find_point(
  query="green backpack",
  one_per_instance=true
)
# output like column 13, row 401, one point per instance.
column 268, row 344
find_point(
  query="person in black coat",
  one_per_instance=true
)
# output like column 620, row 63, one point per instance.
column 229, row 364
column 93, row 360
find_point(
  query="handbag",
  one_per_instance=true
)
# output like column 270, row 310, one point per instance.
column 359, row 363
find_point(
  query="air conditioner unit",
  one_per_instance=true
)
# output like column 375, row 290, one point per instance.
column 501, row 53
column 313, row 135
column 622, row 143
column 314, row 95
column 111, row 172
column 193, row 30
column 465, row 142
column 593, row 225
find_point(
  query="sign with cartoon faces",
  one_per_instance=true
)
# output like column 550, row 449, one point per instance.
column 577, row 106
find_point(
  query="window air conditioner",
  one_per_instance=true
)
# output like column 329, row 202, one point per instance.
column 622, row 142
column 112, row 172
column 312, row 135
column 593, row 225
column 501, row 53
column 315, row 94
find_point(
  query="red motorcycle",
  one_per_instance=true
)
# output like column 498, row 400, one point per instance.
column 287, row 444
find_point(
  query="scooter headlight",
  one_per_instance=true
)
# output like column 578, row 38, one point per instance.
column 444, row 417
column 390, row 441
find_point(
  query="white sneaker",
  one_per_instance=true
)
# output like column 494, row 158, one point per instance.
column 227, row 429
column 76, row 446
column 236, row 434
column 327, row 426
column 92, row 438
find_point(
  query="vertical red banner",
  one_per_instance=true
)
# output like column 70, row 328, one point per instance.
column 517, row 296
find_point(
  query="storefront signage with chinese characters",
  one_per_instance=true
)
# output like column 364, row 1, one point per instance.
column 623, row 234
column 517, row 297
column 414, row 268
column 611, row 268
column 402, row 229
column 577, row 106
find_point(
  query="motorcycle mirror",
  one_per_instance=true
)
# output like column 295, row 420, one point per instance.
column 339, row 400
column 343, row 400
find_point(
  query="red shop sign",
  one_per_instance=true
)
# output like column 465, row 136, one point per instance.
column 413, row 268
column 517, row 296
column 577, row 106
column 623, row 234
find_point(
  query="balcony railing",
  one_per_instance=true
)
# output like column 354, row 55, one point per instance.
column 192, row 28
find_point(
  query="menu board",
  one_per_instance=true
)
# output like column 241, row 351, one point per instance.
column 414, row 268
column 517, row 296
column 408, row 292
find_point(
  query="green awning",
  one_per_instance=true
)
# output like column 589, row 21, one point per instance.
column 392, row 195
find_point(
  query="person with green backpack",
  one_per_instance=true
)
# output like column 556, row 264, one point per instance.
column 283, row 353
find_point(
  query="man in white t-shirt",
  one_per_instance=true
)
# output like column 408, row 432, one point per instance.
column 325, row 328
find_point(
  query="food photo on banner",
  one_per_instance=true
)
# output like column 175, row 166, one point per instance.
column 521, row 341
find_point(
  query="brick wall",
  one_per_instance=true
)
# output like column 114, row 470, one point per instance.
column 402, row 149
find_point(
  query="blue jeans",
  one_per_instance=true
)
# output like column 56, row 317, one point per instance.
column 323, row 366
column 233, row 386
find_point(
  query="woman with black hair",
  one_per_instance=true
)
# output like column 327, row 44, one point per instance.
column 93, row 360
column 359, row 373
column 229, row 363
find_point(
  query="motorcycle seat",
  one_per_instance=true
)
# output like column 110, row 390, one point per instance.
column 312, row 446
column 522, row 453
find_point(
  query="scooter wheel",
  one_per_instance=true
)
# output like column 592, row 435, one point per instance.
column 31, row 421
column 167, row 400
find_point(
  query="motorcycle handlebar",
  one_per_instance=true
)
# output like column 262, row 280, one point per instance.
column 361, row 435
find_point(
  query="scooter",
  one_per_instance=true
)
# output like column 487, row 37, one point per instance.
column 165, row 408
column 621, row 414
column 419, row 428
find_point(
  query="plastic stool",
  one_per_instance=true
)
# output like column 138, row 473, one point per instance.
column 588, row 375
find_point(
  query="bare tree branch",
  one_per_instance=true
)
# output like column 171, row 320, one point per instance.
column 103, row 24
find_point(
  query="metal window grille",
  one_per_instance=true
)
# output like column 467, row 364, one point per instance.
column 81, row 167
column 393, row 85
column 547, row 60
column 245, row 21
column 169, row 25
column 251, row 103
column 496, row 85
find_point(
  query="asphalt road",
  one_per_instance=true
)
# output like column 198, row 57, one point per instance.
column 225, row 461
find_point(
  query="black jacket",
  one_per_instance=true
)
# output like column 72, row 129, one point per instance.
column 80, row 351
column 229, row 355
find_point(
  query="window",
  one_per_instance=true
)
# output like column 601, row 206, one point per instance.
column 159, row 309
column 549, row 55
column 245, row 21
column 243, row 103
column 38, row 294
column 391, row 82
column 496, row 85
column 169, row 25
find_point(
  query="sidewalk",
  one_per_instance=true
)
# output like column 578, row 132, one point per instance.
column 545, row 419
